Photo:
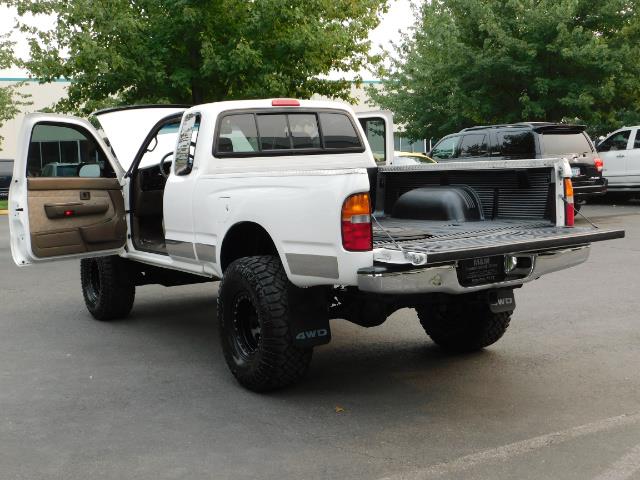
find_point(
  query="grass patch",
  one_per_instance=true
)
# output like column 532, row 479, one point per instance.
column 3, row 204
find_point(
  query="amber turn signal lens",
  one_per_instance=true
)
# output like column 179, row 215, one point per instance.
column 357, row 235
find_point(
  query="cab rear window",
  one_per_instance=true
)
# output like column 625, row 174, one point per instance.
column 267, row 133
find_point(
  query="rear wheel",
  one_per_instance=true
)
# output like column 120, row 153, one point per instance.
column 464, row 326
column 107, row 288
column 256, row 338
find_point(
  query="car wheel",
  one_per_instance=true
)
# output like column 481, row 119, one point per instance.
column 463, row 326
column 107, row 288
column 254, row 325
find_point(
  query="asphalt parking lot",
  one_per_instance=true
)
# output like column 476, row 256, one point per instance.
column 151, row 398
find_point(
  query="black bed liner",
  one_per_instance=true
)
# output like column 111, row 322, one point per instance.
column 447, row 241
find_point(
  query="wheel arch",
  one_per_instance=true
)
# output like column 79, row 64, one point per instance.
column 245, row 239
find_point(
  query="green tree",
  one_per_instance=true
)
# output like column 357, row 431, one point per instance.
column 471, row 62
column 194, row 51
column 10, row 98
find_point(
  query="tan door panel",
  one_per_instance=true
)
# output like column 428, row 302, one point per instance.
column 72, row 215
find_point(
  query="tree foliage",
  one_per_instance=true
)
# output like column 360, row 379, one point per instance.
column 195, row 51
column 471, row 62
column 10, row 98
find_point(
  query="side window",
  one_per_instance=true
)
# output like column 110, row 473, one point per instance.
column 274, row 132
column 517, row 145
column 186, row 149
column 57, row 150
column 474, row 145
column 375, row 128
column 636, row 142
column 238, row 133
column 445, row 148
column 338, row 131
column 617, row 141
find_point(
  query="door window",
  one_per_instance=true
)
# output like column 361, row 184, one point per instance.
column 636, row 143
column 65, row 151
column 617, row 141
column 163, row 143
column 445, row 148
column 186, row 149
column 375, row 130
column 473, row 145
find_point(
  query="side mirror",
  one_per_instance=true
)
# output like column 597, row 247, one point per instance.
column 91, row 170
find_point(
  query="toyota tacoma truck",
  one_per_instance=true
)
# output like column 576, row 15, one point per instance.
column 282, row 201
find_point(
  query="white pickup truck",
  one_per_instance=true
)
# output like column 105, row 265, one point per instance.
column 282, row 200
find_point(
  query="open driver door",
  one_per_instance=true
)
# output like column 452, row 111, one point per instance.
column 66, row 198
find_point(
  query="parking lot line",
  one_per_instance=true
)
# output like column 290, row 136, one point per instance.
column 505, row 452
column 623, row 468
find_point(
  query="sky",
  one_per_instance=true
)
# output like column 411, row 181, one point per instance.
column 399, row 18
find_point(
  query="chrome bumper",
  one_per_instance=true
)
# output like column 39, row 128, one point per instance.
column 444, row 279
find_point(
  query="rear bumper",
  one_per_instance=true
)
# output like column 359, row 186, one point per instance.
column 589, row 187
column 444, row 278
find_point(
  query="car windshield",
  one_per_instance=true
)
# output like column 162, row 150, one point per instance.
column 560, row 144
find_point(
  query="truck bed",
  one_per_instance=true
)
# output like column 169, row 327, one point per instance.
column 447, row 241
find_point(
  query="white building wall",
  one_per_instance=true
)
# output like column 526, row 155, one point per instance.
column 46, row 95
column 42, row 96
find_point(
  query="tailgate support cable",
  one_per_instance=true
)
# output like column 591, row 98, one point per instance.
column 564, row 199
column 414, row 258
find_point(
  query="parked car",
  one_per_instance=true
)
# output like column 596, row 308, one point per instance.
column 283, row 202
column 6, row 171
column 530, row 140
column 411, row 158
column 620, row 152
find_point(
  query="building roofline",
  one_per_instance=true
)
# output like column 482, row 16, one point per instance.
column 27, row 79
column 66, row 80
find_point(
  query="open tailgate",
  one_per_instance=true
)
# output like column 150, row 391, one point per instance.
column 448, row 242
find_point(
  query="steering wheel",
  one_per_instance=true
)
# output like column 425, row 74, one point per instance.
column 162, row 172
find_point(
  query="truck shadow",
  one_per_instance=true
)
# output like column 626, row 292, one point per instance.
column 357, row 362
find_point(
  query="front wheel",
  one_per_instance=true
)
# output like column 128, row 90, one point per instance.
column 464, row 326
column 107, row 287
column 253, row 306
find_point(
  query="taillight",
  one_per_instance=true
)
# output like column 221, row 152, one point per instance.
column 569, row 214
column 599, row 164
column 356, row 223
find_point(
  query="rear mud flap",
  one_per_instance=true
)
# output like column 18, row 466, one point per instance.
column 309, row 316
column 502, row 300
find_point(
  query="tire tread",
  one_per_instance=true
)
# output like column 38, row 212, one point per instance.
column 281, row 363
column 118, row 292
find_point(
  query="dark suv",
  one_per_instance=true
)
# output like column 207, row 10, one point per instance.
column 6, row 170
column 529, row 140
